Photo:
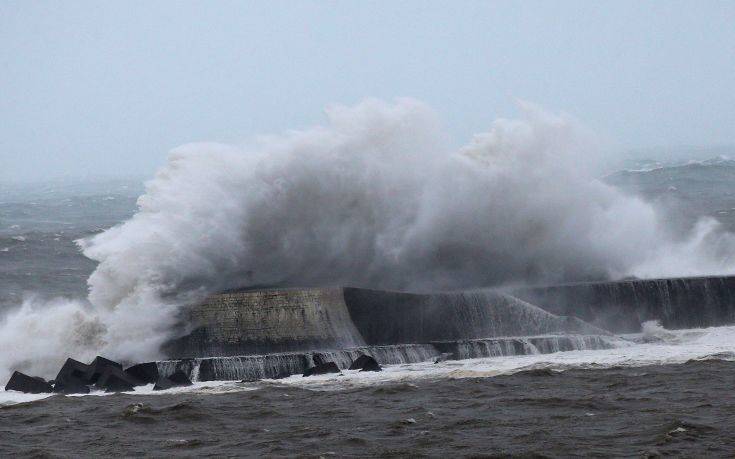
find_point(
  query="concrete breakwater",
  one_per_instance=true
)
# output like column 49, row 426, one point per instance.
column 250, row 335
column 622, row 306
column 266, row 321
column 277, row 321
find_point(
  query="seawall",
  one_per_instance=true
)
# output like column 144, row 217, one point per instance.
column 384, row 317
column 622, row 306
column 277, row 321
column 267, row 321
column 252, row 335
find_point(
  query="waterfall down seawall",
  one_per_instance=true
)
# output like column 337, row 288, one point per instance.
column 251, row 335
column 278, row 321
column 279, row 365
column 622, row 306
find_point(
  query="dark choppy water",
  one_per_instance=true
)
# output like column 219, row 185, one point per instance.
column 690, row 190
column 685, row 410
column 38, row 226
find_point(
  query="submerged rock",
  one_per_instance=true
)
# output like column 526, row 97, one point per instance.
column 144, row 372
column 322, row 369
column 365, row 363
column 163, row 384
column 177, row 379
column 180, row 379
column 98, row 366
column 28, row 384
column 113, row 379
column 444, row 356
column 72, row 378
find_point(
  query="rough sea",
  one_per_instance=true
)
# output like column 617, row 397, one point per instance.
column 669, row 394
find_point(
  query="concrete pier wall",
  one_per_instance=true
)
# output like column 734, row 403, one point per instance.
column 318, row 319
column 267, row 321
column 622, row 306
column 277, row 321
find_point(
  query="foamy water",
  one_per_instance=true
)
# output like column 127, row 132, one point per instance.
column 655, row 346
column 667, row 347
column 208, row 387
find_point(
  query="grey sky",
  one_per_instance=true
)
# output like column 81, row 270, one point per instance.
column 108, row 88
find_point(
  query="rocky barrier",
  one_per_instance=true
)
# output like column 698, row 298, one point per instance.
column 101, row 374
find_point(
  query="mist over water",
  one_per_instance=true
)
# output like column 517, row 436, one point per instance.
column 374, row 198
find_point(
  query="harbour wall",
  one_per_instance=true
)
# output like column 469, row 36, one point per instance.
column 277, row 321
column 317, row 319
column 622, row 306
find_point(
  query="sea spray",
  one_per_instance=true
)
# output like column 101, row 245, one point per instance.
column 38, row 336
column 373, row 198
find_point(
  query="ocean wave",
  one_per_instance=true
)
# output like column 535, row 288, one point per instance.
column 651, row 166
column 372, row 198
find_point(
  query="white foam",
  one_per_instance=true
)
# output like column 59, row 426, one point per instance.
column 679, row 347
column 204, row 387
column 11, row 397
column 673, row 347
column 374, row 198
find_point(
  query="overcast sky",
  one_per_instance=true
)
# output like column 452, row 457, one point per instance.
column 108, row 88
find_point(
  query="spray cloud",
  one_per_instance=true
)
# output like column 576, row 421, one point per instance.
column 373, row 199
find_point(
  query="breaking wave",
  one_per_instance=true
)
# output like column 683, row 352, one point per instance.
column 373, row 198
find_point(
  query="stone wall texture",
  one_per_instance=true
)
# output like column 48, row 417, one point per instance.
column 299, row 320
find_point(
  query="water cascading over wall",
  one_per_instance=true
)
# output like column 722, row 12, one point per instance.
column 384, row 317
column 252, row 335
column 622, row 306
column 279, row 365
column 278, row 321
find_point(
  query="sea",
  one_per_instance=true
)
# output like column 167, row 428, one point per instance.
column 662, row 393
